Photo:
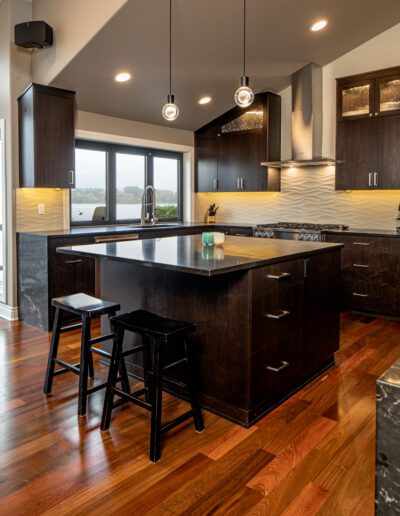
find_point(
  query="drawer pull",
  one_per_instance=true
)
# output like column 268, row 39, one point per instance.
column 281, row 315
column 359, row 295
column 280, row 276
column 361, row 243
column 284, row 365
column 360, row 265
column 74, row 261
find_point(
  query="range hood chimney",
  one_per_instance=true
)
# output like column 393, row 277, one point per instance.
column 306, row 120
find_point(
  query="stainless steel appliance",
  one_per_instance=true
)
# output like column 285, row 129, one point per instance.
column 295, row 231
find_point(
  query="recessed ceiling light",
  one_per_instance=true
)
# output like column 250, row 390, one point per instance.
column 122, row 77
column 318, row 25
column 204, row 100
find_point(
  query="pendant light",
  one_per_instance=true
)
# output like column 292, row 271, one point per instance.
column 170, row 110
column 244, row 95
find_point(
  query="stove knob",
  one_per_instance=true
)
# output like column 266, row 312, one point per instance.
column 301, row 236
column 256, row 234
column 315, row 238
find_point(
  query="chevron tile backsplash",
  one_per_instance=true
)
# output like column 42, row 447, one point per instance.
column 307, row 195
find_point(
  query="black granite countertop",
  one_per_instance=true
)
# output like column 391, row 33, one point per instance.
column 79, row 231
column 187, row 254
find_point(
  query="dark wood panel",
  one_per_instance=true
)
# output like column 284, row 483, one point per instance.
column 206, row 163
column 356, row 154
column 388, row 131
column 274, row 277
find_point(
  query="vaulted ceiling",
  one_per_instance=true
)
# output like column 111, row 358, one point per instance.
column 207, row 52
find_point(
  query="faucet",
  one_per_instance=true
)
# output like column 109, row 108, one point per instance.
column 145, row 215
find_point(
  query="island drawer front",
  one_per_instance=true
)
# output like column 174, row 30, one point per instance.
column 277, row 276
column 276, row 368
column 276, row 315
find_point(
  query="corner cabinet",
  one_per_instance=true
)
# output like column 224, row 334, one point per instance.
column 230, row 149
column 46, row 137
column 368, row 131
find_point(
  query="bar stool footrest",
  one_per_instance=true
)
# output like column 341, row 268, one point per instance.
column 100, row 352
column 71, row 327
column 73, row 368
column 102, row 338
column 177, row 421
column 133, row 397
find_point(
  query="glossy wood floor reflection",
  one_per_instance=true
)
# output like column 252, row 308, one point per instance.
column 313, row 455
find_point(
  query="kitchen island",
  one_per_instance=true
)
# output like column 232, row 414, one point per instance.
column 267, row 311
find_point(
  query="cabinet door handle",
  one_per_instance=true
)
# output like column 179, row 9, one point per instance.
column 283, row 365
column 360, row 243
column 215, row 184
column 238, row 183
column 370, row 179
column 73, row 261
column 71, row 176
column 377, row 113
column 375, row 178
column 371, row 115
column 280, row 276
column 359, row 295
column 281, row 315
column 242, row 183
column 360, row 265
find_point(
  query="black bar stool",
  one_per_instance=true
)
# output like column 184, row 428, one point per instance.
column 86, row 307
column 157, row 333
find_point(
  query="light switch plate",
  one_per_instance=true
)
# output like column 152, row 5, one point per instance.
column 41, row 209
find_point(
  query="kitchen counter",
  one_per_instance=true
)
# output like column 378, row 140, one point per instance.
column 80, row 231
column 187, row 254
column 366, row 232
column 266, row 311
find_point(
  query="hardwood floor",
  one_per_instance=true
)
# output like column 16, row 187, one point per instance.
column 315, row 454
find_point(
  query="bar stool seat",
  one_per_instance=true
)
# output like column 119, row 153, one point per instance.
column 86, row 307
column 157, row 333
column 82, row 304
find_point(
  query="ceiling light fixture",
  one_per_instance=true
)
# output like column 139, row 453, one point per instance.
column 170, row 110
column 318, row 25
column 205, row 100
column 122, row 77
column 244, row 95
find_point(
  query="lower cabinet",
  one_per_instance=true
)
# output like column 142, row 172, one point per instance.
column 370, row 273
column 295, row 325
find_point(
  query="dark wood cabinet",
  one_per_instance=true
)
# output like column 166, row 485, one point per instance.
column 230, row 149
column 46, row 137
column 370, row 273
column 368, row 131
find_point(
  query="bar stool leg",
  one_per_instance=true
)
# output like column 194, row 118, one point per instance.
column 156, row 401
column 84, row 366
column 115, row 361
column 147, row 367
column 55, row 339
column 194, row 397
column 122, row 366
column 90, row 354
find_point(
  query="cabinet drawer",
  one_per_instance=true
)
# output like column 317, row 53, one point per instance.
column 274, row 277
column 276, row 315
column 276, row 368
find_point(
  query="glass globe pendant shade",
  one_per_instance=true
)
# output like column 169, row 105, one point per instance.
column 170, row 110
column 244, row 95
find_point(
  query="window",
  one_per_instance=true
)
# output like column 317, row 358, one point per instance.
column 2, row 210
column 110, row 180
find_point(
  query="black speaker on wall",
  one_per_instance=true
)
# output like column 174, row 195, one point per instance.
column 33, row 34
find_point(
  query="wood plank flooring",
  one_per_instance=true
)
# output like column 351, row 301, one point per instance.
column 315, row 454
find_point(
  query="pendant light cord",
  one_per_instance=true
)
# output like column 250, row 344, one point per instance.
column 244, row 37
column 170, row 47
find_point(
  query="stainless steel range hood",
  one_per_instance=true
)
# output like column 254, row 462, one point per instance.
column 306, row 120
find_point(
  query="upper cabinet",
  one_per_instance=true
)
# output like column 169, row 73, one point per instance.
column 46, row 137
column 368, row 131
column 230, row 149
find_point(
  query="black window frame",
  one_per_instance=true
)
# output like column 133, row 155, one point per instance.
column 111, row 149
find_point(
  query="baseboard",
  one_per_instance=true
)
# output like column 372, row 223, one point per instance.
column 8, row 312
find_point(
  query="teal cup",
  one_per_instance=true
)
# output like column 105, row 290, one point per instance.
column 207, row 238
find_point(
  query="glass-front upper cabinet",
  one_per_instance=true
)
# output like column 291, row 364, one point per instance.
column 355, row 100
column 387, row 95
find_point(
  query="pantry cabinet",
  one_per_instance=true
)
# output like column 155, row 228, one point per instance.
column 368, row 131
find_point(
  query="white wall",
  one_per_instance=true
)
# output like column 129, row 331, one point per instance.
column 309, row 194
column 75, row 22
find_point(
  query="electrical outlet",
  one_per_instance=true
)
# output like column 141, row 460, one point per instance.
column 41, row 209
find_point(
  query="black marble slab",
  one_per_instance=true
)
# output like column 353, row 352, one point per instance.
column 133, row 228
column 387, row 492
column 187, row 254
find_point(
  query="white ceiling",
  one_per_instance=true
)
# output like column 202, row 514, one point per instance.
column 207, row 52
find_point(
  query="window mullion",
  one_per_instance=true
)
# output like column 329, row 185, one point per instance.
column 111, row 186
